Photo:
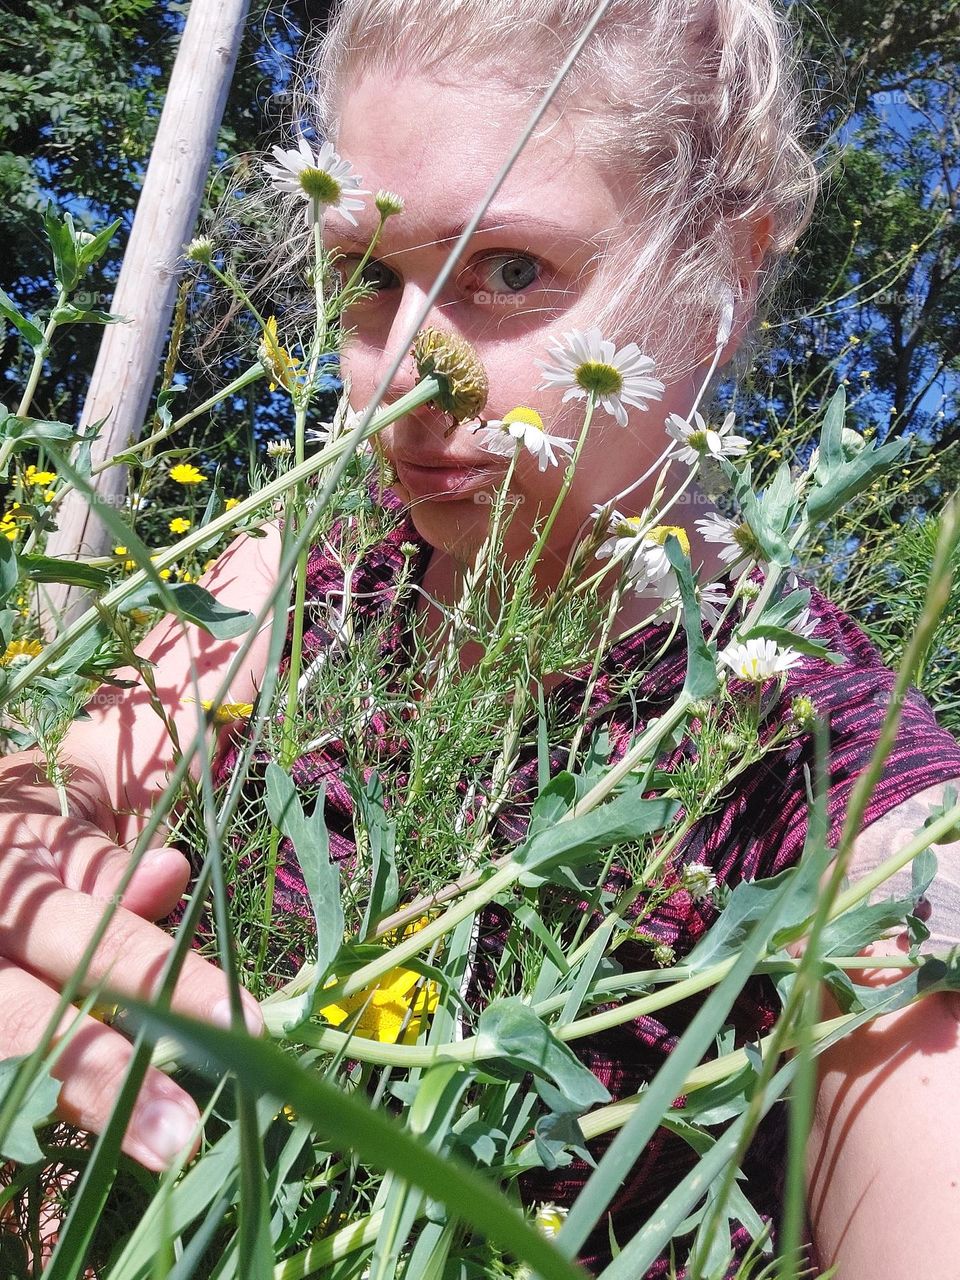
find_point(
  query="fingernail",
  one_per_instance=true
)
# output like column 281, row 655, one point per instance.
column 222, row 1014
column 164, row 1127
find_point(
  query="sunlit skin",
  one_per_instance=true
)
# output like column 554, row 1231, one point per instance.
column 439, row 146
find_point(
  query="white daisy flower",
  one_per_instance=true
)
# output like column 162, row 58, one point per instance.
column 549, row 1218
column 344, row 420
column 738, row 541
column 700, row 440
column 805, row 623
column 279, row 448
column 524, row 427
column 698, row 880
column 713, row 599
column 587, row 362
column 644, row 555
column 758, row 659
column 322, row 179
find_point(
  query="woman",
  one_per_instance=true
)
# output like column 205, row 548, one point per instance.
column 663, row 185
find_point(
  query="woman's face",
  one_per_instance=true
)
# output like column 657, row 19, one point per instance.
column 533, row 272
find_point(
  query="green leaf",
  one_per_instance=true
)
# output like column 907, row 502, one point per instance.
column 839, row 477
column 33, row 431
column 780, row 613
column 94, row 249
column 769, row 514
column 791, row 640
column 9, row 570
column 63, row 243
column 69, row 314
column 194, row 604
column 83, row 649
column 382, row 836
column 26, row 328
column 374, row 1136
column 861, row 925
column 210, row 512
column 625, row 818
column 49, row 569
column 20, row 1143
column 513, row 1040
column 701, row 679
column 321, row 875
column 750, row 901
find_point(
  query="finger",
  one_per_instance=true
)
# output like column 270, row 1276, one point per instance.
column 164, row 1122
column 90, row 862
column 45, row 928
column 156, row 886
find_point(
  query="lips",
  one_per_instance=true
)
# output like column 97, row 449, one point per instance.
column 446, row 477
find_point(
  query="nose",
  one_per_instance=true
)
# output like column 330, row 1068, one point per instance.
column 399, row 341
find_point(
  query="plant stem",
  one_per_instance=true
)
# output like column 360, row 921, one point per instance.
column 294, row 516
column 40, row 354
column 423, row 392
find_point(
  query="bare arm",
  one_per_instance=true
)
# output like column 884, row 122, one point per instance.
column 884, row 1156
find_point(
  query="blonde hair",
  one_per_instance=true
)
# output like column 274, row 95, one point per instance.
column 701, row 104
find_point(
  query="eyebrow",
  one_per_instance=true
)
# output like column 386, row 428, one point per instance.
column 489, row 222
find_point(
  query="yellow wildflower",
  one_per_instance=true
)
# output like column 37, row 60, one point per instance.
column 230, row 504
column 48, row 495
column 120, row 551
column 129, row 565
column 186, row 473
column 8, row 529
column 179, row 525
column 33, row 476
column 401, row 994
column 276, row 360
column 228, row 712
column 163, row 573
column 185, row 576
column 17, row 650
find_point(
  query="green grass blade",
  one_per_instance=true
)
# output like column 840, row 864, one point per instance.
column 373, row 1137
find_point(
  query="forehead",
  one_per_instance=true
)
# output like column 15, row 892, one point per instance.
column 440, row 145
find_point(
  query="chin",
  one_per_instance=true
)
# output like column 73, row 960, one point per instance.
column 455, row 528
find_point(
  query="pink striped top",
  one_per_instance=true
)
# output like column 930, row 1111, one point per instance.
column 757, row 830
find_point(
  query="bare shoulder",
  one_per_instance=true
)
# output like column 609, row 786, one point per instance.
column 895, row 830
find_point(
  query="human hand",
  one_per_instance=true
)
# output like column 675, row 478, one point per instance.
column 56, row 876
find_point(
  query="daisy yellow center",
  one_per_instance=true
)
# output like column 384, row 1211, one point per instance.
column 628, row 527
column 603, row 379
column 698, row 440
column 529, row 417
column 318, row 185
column 746, row 540
column 663, row 531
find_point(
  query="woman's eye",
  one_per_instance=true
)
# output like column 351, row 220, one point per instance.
column 376, row 274
column 508, row 272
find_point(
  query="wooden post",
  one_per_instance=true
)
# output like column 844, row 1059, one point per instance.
column 166, row 214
